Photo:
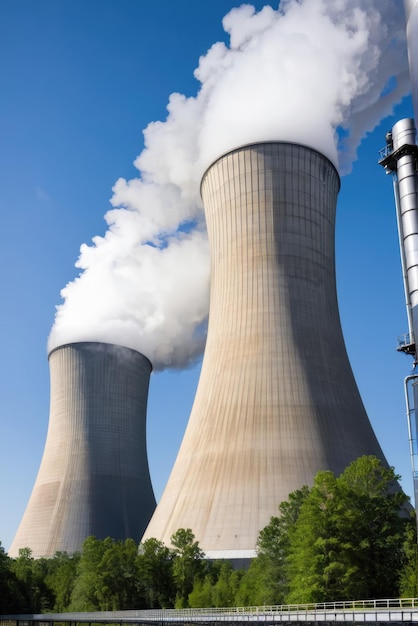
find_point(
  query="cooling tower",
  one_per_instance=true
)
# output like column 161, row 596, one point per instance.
column 276, row 399
column 94, row 477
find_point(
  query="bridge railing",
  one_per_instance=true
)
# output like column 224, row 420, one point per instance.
column 342, row 605
column 208, row 614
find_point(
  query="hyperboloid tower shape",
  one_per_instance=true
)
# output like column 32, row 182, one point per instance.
column 276, row 400
column 94, row 477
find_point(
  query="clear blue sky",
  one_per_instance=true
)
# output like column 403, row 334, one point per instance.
column 80, row 81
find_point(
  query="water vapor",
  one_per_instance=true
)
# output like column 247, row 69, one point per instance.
column 321, row 73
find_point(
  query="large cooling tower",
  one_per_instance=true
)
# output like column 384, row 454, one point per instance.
column 276, row 400
column 94, row 477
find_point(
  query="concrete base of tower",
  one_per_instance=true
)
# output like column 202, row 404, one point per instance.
column 239, row 559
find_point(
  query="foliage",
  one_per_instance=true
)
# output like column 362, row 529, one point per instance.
column 266, row 580
column 188, row 564
column 201, row 594
column 226, row 586
column 85, row 592
column 119, row 583
column 30, row 574
column 409, row 574
column 155, row 574
column 218, row 588
column 10, row 594
column 346, row 537
column 313, row 545
column 273, row 550
column 106, row 576
column 61, row 577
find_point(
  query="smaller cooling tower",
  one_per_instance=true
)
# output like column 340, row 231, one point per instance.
column 94, row 476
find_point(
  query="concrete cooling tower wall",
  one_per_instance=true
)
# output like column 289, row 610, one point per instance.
column 276, row 400
column 94, row 477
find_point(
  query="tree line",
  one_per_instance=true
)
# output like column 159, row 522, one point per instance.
column 346, row 537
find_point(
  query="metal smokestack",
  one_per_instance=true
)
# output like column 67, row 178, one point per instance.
column 276, row 400
column 400, row 158
column 94, row 477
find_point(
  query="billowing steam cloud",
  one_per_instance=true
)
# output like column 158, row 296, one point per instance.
column 317, row 72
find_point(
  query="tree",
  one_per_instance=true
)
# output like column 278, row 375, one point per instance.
column 273, row 549
column 10, row 595
column 118, row 589
column 86, row 592
column 409, row 575
column 226, row 585
column 30, row 573
column 107, row 576
column 201, row 594
column 187, row 565
column 61, row 577
column 218, row 588
column 266, row 580
column 155, row 574
column 347, row 541
column 376, row 529
column 311, row 560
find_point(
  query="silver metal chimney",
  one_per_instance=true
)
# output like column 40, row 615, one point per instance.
column 400, row 158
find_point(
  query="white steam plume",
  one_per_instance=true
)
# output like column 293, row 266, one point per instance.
column 317, row 72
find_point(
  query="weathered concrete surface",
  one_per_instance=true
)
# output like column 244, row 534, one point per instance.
column 276, row 400
column 94, row 477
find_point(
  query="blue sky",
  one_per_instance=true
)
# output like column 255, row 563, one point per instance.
column 80, row 81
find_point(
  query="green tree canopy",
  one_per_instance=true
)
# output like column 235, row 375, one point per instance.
column 218, row 588
column 119, row 589
column 61, row 577
column 155, row 574
column 347, row 541
column 409, row 573
column 11, row 598
column 106, row 576
column 346, row 537
column 34, row 595
column 188, row 564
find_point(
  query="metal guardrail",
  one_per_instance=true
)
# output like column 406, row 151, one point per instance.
column 385, row 152
column 404, row 339
column 346, row 610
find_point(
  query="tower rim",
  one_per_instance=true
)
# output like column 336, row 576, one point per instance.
column 268, row 142
column 99, row 343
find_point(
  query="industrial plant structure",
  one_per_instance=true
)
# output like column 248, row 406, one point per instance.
column 276, row 400
column 94, row 477
column 400, row 158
